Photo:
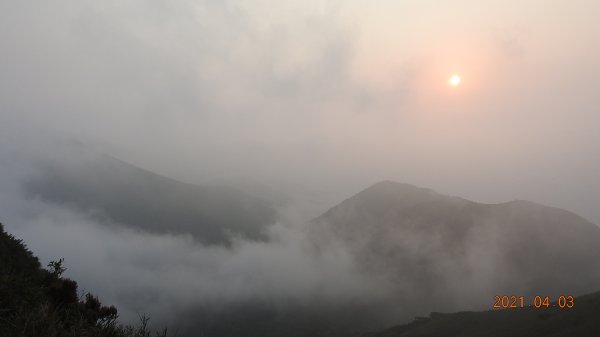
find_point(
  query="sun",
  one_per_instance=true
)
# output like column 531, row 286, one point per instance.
column 455, row 80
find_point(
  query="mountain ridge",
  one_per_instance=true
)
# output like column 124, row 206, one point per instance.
column 446, row 249
column 116, row 192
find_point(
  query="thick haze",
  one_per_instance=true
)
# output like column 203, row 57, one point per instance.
column 319, row 96
column 314, row 99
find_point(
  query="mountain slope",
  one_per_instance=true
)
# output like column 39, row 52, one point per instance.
column 581, row 320
column 453, row 253
column 35, row 302
column 117, row 192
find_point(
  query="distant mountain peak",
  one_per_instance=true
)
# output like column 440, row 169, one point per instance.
column 390, row 184
column 399, row 229
column 390, row 196
column 389, row 187
column 118, row 193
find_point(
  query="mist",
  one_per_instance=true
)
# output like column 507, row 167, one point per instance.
column 321, row 97
column 306, row 101
column 170, row 276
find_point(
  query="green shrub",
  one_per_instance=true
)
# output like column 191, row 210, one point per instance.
column 35, row 302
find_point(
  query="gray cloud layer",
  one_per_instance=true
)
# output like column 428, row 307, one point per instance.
column 166, row 276
column 314, row 99
column 319, row 97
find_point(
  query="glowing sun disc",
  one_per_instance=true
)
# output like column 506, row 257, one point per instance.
column 454, row 80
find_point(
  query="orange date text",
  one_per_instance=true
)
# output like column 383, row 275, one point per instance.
column 539, row 302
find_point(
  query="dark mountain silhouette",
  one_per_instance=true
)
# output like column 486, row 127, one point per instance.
column 117, row 192
column 36, row 302
column 581, row 320
column 454, row 253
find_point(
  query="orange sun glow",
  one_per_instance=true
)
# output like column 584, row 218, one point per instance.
column 454, row 80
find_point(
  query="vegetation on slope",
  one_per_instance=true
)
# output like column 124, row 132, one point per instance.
column 39, row 302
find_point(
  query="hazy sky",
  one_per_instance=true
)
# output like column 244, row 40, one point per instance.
column 318, row 96
column 316, row 99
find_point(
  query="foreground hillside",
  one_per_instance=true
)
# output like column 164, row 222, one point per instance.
column 581, row 321
column 35, row 302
